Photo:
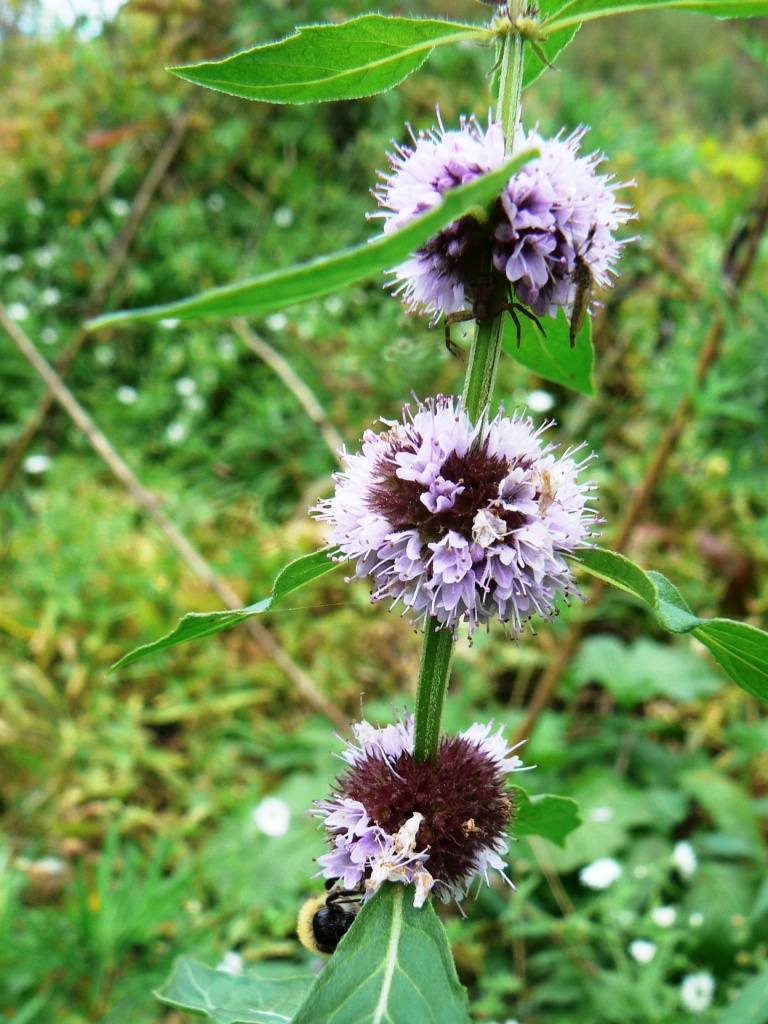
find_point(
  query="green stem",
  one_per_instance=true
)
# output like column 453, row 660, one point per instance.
column 430, row 696
column 478, row 390
column 510, row 86
column 483, row 366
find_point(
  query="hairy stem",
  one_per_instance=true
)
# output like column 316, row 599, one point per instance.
column 433, row 682
column 478, row 390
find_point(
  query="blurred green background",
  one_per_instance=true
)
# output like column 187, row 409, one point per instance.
column 133, row 826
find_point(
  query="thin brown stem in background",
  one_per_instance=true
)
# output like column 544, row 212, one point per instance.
column 183, row 548
column 115, row 264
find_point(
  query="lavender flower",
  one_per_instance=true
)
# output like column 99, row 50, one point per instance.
column 552, row 212
column 462, row 522
column 436, row 825
column 557, row 209
column 438, row 275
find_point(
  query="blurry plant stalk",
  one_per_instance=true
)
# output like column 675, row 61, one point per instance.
column 479, row 382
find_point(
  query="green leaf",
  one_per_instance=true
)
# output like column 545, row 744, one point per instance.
column 394, row 966
column 552, row 357
column 552, row 817
column 355, row 58
column 731, row 809
column 634, row 672
column 556, row 15
column 751, row 1004
column 269, row 994
column 740, row 649
column 196, row 625
column 551, row 47
column 327, row 274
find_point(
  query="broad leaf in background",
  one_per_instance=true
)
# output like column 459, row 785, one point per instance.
column 751, row 1004
column 740, row 649
column 327, row 274
column 378, row 972
column 551, row 356
column 197, row 625
column 551, row 817
column 268, row 994
column 355, row 58
column 559, row 14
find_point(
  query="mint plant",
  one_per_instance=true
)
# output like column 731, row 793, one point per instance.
column 461, row 514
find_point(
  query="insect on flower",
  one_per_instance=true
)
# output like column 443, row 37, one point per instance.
column 488, row 301
column 584, row 280
column 324, row 920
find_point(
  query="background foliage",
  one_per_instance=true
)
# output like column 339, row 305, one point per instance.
column 126, row 805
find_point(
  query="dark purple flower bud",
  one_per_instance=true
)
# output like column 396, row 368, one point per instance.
column 436, row 825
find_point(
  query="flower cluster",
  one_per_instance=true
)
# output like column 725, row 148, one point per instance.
column 554, row 213
column 437, row 824
column 462, row 522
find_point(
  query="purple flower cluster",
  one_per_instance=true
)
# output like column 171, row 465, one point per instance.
column 436, row 825
column 462, row 522
column 554, row 211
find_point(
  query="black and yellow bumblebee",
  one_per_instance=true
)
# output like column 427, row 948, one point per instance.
column 324, row 920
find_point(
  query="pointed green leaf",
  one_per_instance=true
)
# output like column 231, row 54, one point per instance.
column 322, row 276
column 196, row 625
column 394, row 966
column 551, row 47
column 355, row 58
column 557, row 14
column 552, row 817
column 740, row 649
column 269, row 994
column 551, row 356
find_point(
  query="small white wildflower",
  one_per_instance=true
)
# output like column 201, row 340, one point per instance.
column 44, row 256
column 18, row 311
column 34, row 464
column 272, row 816
column 684, row 858
column 13, row 262
column 49, row 335
column 104, row 355
column 215, row 202
column 127, row 395
column 600, row 873
column 185, row 386
column 226, row 347
column 119, row 207
column 50, row 296
column 194, row 403
column 598, row 814
column 283, row 216
column 539, row 401
column 176, row 432
column 696, row 991
column 696, row 919
column 333, row 305
column 664, row 917
column 277, row 322
column 642, row 951
column 35, row 206
column 232, row 963
column 169, row 323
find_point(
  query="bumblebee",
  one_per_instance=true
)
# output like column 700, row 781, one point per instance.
column 324, row 920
